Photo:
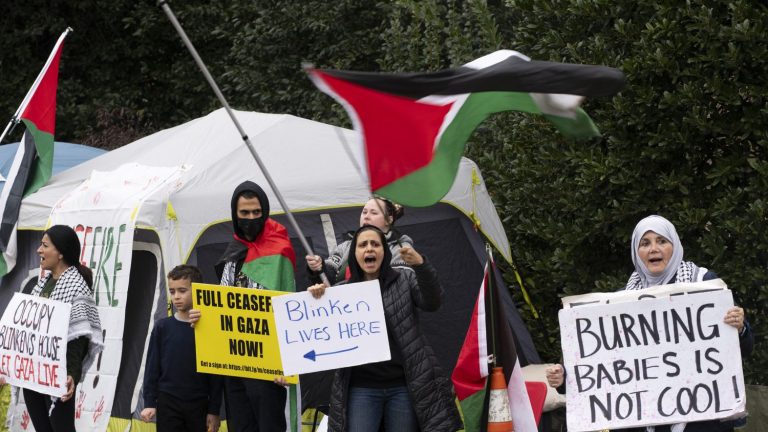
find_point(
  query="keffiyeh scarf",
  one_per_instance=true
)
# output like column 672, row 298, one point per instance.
column 83, row 317
column 687, row 271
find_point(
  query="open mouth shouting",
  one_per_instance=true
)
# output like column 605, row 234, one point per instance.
column 369, row 252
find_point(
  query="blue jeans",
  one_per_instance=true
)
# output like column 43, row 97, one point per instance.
column 367, row 406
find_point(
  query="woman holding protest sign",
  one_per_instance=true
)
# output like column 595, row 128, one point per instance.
column 657, row 255
column 409, row 392
column 68, row 281
column 379, row 212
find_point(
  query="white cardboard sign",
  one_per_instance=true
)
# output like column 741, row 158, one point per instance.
column 651, row 361
column 33, row 344
column 345, row 327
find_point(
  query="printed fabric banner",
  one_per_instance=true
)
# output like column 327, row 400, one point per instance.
column 662, row 359
column 345, row 327
column 102, row 210
column 33, row 344
column 236, row 334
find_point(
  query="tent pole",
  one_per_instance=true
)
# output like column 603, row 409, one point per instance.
column 248, row 144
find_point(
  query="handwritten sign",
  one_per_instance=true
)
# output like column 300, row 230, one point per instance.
column 345, row 327
column 236, row 334
column 33, row 344
column 651, row 361
column 659, row 291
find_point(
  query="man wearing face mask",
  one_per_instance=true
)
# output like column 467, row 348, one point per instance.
column 256, row 405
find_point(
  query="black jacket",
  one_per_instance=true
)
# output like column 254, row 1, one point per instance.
column 430, row 389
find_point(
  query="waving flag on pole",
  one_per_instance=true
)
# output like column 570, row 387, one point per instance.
column 414, row 125
column 33, row 163
column 489, row 340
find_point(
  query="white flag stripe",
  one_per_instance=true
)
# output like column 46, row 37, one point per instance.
column 482, row 338
column 519, row 403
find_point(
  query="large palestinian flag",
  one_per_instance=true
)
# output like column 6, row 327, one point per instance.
column 490, row 337
column 33, row 162
column 270, row 259
column 414, row 125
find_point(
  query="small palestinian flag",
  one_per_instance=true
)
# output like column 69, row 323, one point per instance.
column 270, row 259
column 33, row 162
column 414, row 125
column 470, row 376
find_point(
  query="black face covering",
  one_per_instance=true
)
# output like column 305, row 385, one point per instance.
column 249, row 186
column 250, row 227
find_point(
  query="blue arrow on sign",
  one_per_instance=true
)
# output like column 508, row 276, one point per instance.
column 312, row 354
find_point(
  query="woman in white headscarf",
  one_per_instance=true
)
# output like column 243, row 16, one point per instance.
column 658, row 258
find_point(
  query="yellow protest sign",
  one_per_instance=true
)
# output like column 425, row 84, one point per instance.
column 236, row 334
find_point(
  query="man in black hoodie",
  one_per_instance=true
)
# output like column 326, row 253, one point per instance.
column 252, row 405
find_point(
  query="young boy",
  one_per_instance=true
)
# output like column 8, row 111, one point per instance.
column 182, row 399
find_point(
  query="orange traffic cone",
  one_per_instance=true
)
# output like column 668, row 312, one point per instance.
column 499, row 416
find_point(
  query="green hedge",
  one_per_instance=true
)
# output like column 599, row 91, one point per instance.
column 686, row 139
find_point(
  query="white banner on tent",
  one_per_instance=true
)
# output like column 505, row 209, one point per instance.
column 654, row 361
column 33, row 344
column 102, row 210
column 345, row 327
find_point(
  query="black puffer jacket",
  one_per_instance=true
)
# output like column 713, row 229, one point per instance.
column 402, row 293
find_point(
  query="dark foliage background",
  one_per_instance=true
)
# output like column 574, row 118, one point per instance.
column 686, row 138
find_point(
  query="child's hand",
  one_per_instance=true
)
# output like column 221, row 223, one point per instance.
column 194, row 316
column 147, row 414
column 213, row 421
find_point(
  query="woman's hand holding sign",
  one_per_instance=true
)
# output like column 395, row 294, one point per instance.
column 735, row 318
column 317, row 290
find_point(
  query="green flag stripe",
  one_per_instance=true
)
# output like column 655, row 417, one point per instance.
column 472, row 408
column 581, row 127
column 294, row 409
column 41, row 172
column 429, row 184
column 274, row 272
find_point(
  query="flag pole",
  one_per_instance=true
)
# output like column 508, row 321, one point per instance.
column 24, row 102
column 201, row 65
column 11, row 122
column 491, row 286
